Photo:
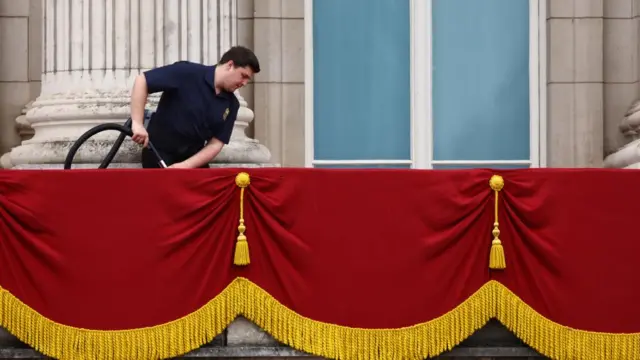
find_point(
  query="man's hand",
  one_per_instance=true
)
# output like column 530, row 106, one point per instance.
column 140, row 134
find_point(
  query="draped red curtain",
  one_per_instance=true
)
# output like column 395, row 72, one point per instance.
column 137, row 264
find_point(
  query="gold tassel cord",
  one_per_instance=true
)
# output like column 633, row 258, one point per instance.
column 241, row 256
column 497, row 259
column 243, row 297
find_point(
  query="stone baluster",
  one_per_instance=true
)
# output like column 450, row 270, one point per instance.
column 93, row 51
column 628, row 156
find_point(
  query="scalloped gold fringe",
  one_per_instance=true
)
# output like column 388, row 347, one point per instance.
column 242, row 297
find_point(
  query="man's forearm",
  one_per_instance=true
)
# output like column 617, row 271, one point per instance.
column 202, row 157
column 139, row 99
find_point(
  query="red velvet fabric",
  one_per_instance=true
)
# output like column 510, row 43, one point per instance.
column 121, row 249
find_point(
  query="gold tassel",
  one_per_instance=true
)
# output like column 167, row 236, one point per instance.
column 496, row 258
column 241, row 256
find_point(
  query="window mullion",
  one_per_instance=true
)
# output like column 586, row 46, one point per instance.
column 421, row 124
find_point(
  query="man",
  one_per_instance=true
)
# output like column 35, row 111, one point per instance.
column 197, row 109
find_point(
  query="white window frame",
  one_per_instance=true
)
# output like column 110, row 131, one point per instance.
column 421, row 90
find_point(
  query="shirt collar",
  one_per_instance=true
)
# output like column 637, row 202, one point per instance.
column 209, row 77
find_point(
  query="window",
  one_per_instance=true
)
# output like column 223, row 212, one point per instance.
column 424, row 83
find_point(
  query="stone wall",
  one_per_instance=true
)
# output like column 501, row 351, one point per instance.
column 277, row 37
column 575, row 83
column 20, row 63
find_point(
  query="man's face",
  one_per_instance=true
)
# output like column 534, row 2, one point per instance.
column 236, row 77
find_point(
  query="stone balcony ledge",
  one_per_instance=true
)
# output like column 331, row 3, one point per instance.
column 257, row 352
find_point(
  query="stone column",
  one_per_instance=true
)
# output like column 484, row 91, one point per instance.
column 92, row 52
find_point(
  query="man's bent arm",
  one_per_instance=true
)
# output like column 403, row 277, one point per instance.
column 139, row 95
column 206, row 154
column 163, row 78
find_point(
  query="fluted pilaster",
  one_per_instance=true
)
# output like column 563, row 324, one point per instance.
column 93, row 50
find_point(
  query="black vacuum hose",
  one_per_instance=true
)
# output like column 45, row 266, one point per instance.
column 125, row 130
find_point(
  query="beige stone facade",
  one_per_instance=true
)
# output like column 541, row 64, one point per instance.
column 592, row 62
column 20, row 64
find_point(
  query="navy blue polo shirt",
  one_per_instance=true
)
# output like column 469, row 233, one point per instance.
column 189, row 113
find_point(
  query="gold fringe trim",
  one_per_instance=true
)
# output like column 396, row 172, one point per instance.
column 557, row 341
column 158, row 342
column 421, row 341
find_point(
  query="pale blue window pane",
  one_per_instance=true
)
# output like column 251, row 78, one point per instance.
column 366, row 166
column 361, row 55
column 488, row 166
column 481, row 79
